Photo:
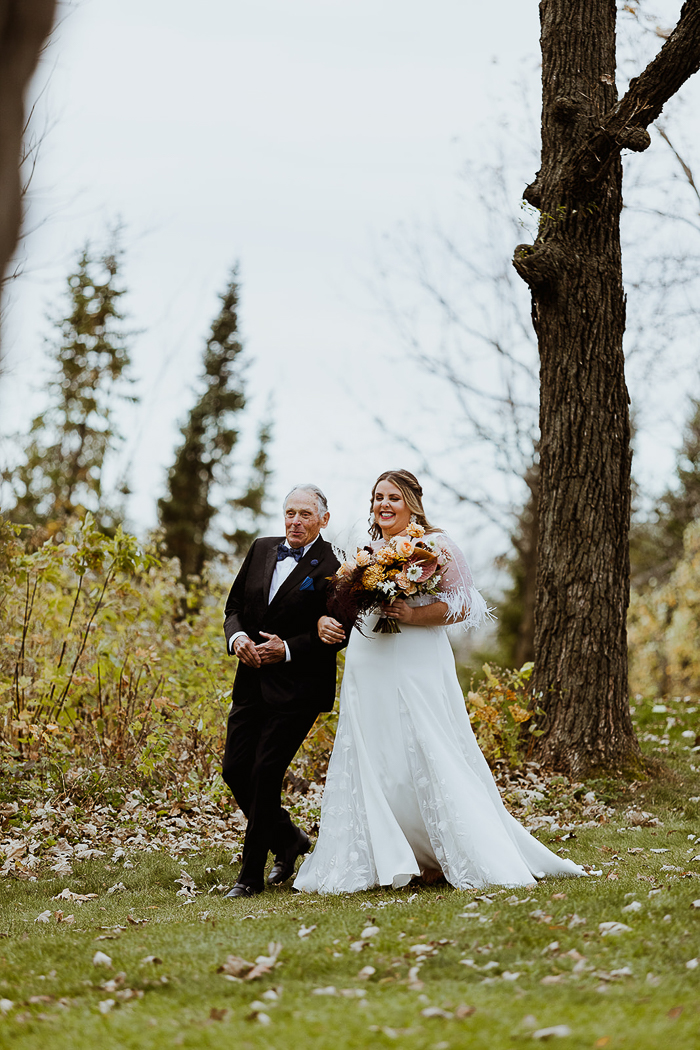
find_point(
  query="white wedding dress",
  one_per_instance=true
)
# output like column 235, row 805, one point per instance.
column 408, row 789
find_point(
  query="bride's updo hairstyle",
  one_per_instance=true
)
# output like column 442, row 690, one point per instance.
column 410, row 489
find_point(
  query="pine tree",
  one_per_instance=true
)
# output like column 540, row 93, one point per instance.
column 249, row 509
column 209, row 437
column 657, row 545
column 516, row 611
column 69, row 441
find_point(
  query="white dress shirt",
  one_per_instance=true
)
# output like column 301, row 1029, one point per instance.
column 282, row 570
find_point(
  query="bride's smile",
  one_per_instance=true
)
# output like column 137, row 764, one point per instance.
column 391, row 513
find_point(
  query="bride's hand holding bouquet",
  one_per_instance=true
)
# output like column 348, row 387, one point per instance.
column 406, row 566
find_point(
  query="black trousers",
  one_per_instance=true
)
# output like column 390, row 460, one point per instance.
column 261, row 741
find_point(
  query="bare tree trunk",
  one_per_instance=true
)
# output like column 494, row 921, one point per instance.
column 24, row 26
column 574, row 271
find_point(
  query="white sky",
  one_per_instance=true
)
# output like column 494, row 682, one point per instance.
column 290, row 137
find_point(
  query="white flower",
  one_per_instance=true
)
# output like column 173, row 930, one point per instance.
column 413, row 572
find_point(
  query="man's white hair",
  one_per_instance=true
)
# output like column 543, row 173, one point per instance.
column 322, row 501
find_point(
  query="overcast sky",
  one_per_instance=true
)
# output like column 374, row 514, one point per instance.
column 289, row 137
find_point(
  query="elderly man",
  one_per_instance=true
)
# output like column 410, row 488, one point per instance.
column 285, row 677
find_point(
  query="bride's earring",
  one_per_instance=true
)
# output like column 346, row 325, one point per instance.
column 414, row 520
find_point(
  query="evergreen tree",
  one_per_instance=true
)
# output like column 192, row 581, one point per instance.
column 69, row 441
column 249, row 509
column 516, row 611
column 657, row 545
column 209, row 437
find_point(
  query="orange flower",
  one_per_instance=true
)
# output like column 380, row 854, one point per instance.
column 372, row 576
column 403, row 547
column 402, row 581
column 363, row 558
column 415, row 530
column 385, row 555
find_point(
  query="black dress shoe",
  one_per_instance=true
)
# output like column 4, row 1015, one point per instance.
column 283, row 867
column 241, row 890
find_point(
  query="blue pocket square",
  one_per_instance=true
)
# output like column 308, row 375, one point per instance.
column 307, row 585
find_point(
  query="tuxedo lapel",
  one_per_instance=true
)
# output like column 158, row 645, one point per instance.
column 270, row 562
column 300, row 570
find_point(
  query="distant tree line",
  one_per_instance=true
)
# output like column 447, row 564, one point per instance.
column 68, row 449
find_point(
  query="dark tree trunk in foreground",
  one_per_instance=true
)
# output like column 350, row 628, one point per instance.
column 24, row 26
column 574, row 272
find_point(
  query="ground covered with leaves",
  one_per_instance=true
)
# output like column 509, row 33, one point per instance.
column 114, row 929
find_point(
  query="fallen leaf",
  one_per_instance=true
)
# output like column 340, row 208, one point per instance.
column 306, row 930
column 116, row 982
column 366, row 972
column 116, row 888
column 555, row 1030
column 553, row 978
column 436, row 1011
column 603, row 1041
column 692, row 964
column 152, row 959
column 68, row 895
column 235, row 966
column 45, row 916
column 632, row 906
column 217, row 1014
column 124, row 994
column 106, row 1005
column 6, row 1005
column 265, row 963
column 612, row 929
column 330, row 990
column 464, row 1011
column 369, row 931
column 100, row 959
column 136, row 922
column 675, row 1012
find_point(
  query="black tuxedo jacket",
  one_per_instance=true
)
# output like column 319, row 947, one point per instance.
column 308, row 679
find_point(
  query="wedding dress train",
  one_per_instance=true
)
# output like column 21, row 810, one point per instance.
column 408, row 789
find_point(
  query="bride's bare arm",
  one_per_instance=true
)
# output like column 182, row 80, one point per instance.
column 433, row 615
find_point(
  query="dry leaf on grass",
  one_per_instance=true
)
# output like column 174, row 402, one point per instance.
column 106, row 1005
column 45, row 916
column 100, row 959
column 306, row 930
column 556, row 1030
column 235, row 966
column 613, row 929
column 68, row 895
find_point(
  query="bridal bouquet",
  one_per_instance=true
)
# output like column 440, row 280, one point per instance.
column 407, row 566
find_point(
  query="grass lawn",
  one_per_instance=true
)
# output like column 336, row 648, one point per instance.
column 418, row 968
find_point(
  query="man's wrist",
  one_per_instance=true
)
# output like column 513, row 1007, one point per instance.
column 234, row 638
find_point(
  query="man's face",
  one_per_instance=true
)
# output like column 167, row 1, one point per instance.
column 302, row 521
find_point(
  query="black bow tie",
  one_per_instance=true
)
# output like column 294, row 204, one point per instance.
column 289, row 552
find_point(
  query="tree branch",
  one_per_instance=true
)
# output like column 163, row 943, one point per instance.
column 625, row 125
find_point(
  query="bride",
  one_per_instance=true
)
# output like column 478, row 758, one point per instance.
column 408, row 791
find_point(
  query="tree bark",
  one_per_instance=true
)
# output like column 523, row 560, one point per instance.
column 24, row 26
column 574, row 271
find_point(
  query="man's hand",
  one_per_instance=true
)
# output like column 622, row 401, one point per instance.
column 246, row 651
column 272, row 651
column 330, row 631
